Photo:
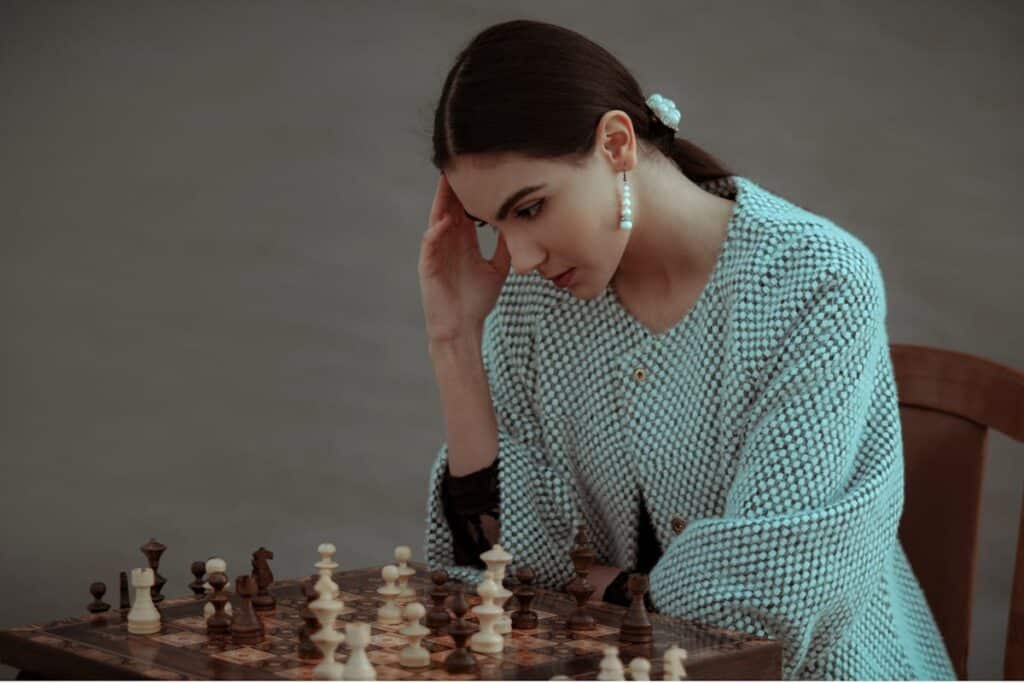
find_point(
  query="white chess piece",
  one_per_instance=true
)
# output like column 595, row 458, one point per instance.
column 358, row 667
column 327, row 638
column 326, row 567
column 414, row 655
column 143, row 618
column 611, row 665
column 216, row 564
column 497, row 560
column 674, row 658
column 640, row 669
column 390, row 612
column 402, row 555
column 487, row 640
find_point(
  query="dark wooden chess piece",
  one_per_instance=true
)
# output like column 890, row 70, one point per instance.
column 153, row 550
column 264, row 601
column 246, row 626
column 524, row 617
column 510, row 583
column 198, row 568
column 218, row 624
column 311, row 624
column 583, row 556
column 126, row 603
column 97, row 588
column 636, row 625
column 438, row 617
column 460, row 660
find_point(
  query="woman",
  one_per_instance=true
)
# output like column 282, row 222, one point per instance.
column 709, row 390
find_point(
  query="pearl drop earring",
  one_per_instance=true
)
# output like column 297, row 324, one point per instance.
column 626, row 219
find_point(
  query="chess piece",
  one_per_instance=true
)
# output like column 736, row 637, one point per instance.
column 636, row 624
column 405, row 572
column 640, row 669
column 438, row 617
column 263, row 601
column 198, row 570
column 326, row 567
column 218, row 623
column 583, row 556
column 153, row 550
column 524, row 617
column 611, row 665
column 98, row 589
column 246, row 627
column 414, row 655
column 307, row 648
column 326, row 608
column 487, row 640
column 389, row 612
column 143, row 618
column 460, row 660
column 125, row 603
column 215, row 565
column 497, row 559
column 358, row 667
column 673, row 666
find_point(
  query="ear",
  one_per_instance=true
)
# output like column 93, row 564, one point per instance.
column 617, row 140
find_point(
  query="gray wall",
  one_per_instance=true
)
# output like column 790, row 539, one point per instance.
column 211, row 218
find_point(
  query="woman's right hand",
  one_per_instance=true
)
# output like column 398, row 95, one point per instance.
column 458, row 286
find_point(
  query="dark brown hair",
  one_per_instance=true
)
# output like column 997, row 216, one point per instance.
column 539, row 90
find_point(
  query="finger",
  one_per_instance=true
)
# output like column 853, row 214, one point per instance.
column 440, row 200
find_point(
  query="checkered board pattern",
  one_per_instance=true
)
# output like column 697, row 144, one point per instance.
column 182, row 651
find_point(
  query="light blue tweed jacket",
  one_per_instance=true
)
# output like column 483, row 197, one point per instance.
column 766, row 420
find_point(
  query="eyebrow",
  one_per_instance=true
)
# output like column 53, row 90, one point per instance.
column 506, row 206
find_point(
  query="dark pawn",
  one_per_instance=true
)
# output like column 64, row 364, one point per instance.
column 461, row 660
column 311, row 624
column 636, row 624
column 246, row 626
column 198, row 568
column 97, row 605
column 126, row 603
column 153, row 550
column 524, row 618
column 510, row 583
column 583, row 556
column 218, row 625
column 264, row 601
column 438, row 617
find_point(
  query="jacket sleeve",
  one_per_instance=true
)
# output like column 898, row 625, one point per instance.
column 812, row 512
column 537, row 510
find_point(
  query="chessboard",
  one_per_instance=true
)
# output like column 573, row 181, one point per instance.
column 100, row 646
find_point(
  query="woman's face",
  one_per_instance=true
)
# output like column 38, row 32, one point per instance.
column 571, row 221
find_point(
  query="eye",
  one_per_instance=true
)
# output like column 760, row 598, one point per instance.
column 529, row 213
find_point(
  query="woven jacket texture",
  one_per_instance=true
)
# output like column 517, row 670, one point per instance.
column 766, row 419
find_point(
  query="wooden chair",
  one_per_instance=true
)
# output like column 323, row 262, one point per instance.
column 948, row 401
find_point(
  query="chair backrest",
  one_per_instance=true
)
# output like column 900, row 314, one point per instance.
column 948, row 401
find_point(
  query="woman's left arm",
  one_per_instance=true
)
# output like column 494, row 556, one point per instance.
column 813, row 510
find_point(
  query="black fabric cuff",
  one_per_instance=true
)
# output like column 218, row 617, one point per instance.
column 473, row 493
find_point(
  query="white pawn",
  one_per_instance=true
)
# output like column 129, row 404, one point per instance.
column 358, row 667
column 143, row 618
column 326, row 567
column 640, row 669
column 611, row 665
column 487, row 640
column 414, row 655
column 674, row 658
column 215, row 564
column 497, row 559
column 327, row 638
column 389, row 612
column 405, row 572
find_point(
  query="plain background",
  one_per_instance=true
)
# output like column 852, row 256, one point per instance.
column 212, row 211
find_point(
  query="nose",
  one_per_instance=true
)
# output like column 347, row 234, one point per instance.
column 525, row 257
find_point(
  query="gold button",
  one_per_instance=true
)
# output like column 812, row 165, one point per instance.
column 639, row 374
column 678, row 524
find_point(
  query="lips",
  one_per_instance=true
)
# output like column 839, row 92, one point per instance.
column 564, row 279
